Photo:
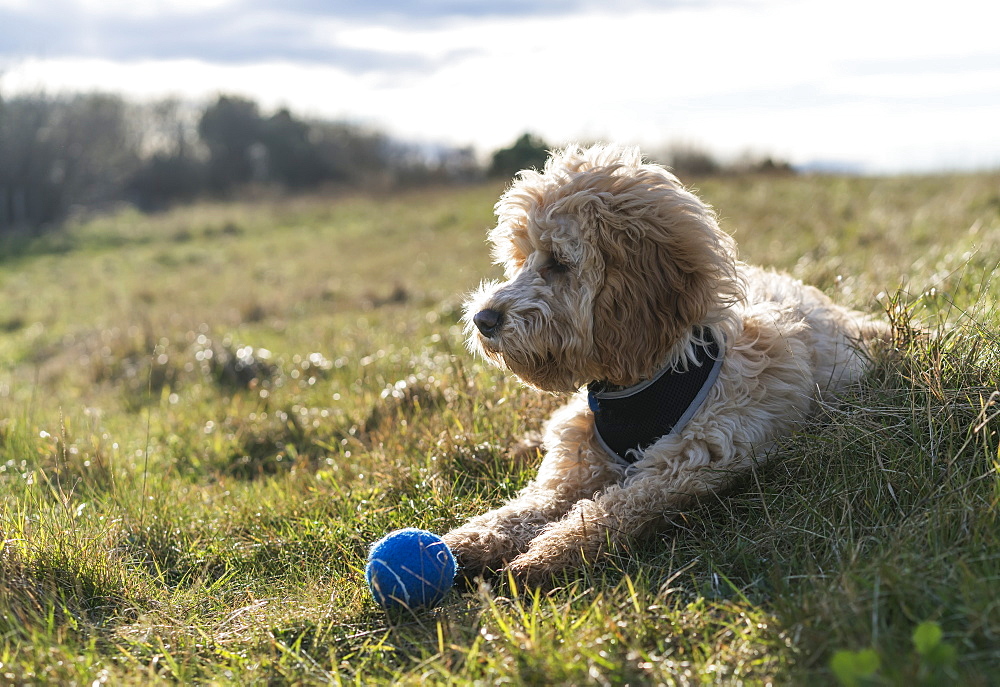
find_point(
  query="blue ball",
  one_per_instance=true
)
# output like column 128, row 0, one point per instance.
column 410, row 569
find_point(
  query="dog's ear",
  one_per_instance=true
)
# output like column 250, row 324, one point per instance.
column 667, row 267
column 510, row 239
column 508, row 242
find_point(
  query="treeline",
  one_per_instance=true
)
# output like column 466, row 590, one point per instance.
column 60, row 154
column 686, row 160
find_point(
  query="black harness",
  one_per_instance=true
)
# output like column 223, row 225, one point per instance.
column 629, row 420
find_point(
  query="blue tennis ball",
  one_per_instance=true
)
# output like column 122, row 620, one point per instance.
column 410, row 569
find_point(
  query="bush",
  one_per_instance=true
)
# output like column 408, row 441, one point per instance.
column 166, row 179
column 527, row 152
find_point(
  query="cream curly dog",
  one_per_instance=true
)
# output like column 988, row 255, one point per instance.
column 620, row 280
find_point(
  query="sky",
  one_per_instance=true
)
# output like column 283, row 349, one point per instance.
column 878, row 86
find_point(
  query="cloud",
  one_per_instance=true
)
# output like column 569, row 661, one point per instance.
column 245, row 31
column 429, row 12
column 229, row 35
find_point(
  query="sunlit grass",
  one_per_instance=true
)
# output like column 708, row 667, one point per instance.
column 206, row 416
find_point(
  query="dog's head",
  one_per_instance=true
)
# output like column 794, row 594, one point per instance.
column 610, row 264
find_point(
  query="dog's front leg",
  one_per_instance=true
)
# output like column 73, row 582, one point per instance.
column 489, row 541
column 574, row 468
column 610, row 519
column 578, row 538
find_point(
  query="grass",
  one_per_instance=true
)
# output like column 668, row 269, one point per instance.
column 207, row 415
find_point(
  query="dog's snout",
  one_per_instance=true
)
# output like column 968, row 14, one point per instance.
column 488, row 322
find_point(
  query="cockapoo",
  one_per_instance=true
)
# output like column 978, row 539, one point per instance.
column 685, row 364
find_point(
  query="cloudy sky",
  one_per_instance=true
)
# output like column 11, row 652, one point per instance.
column 882, row 85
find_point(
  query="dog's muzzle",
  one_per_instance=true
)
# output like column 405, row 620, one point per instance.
column 488, row 322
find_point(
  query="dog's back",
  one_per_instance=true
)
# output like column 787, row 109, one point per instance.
column 840, row 340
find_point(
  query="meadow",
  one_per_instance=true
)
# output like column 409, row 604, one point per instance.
column 207, row 415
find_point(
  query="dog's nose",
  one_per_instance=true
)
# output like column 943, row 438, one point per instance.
column 488, row 322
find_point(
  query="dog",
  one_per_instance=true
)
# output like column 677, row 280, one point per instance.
column 684, row 365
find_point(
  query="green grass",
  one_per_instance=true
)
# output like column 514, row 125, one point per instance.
column 207, row 415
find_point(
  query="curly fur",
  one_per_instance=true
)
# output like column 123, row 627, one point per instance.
column 614, row 271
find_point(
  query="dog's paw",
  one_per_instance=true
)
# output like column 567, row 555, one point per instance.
column 538, row 565
column 479, row 551
column 564, row 546
column 531, row 571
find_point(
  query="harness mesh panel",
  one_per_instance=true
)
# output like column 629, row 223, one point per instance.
column 635, row 421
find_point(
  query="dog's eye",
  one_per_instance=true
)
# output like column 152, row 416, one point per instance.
column 552, row 268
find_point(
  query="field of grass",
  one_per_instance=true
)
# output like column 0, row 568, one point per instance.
column 206, row 417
